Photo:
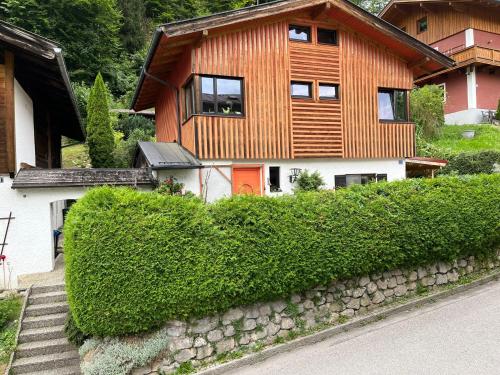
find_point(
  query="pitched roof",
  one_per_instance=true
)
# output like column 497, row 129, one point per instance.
column 41, row 70
column 392, row 4
column 175, row 37
column 49, row 178
column 167, row 155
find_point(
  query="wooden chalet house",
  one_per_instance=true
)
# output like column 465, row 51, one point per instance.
column 247, row 99
column 468, row 31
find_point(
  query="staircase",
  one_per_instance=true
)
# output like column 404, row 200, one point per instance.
column 42, row 347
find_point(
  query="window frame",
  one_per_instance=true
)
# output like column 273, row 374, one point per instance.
column 309, row 34
column 311, row 89
column 407, row 109
column 216, row 113
column 275, row 188
column 419, row 21
column 189, row 82
column 324, row 43
column 325, row 98
column 445, row 93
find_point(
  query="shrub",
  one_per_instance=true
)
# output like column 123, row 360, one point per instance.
column 126, row 148
column 498, row 111
column 309, row 181
column 427, row 110
column 9, row 310
column 73, row 333
column 136, row 260
column 128, row 124
column 472, row 163
column 100, row 138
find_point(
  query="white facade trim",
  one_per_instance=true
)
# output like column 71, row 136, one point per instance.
column 471, row 87
column 469, row 38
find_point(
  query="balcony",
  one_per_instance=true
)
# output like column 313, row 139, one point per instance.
column 474, row 54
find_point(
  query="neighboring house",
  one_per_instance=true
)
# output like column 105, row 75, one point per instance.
column 469, row 32
column 37, row 108
column 258, row 94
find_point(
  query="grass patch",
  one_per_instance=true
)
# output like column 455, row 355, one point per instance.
column 487, row 137
column 75, row 156
column 9, row 315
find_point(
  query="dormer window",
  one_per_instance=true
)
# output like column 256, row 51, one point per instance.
column 422, row 25
column 299, row 33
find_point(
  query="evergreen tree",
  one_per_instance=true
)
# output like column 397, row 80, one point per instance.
column 134, row 27
column 100, row 138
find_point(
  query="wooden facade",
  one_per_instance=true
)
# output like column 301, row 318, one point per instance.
column 275, row 125
column 7, row 140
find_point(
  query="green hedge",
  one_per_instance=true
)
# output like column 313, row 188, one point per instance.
column 135, row 260
column 472, row 163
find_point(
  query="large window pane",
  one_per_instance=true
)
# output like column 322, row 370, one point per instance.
column 300, row 33
column 207, row 95
column 385, row 102
column 301, row 90
column 400, row 105
column 189, row 100
column 229, row 100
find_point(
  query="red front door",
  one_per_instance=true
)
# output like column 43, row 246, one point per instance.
column 247, row 180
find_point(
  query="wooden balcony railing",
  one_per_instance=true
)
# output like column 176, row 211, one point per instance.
column 476, row 53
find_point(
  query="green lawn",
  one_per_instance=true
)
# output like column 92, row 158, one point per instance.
column 75, row 156
column 451, row 141
column 9, row 315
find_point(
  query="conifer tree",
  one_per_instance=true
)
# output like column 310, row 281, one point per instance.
column 100, row 139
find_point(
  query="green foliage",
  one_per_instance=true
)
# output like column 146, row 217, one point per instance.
column 9, row 314
column 9, row 310
column 309, row 181
column 82, row 93
column 134, row 27
column 497, row 116
column 126, row 148
column 136, row 260
column 73, row 333
column 127, row 124
column 185, row 368
column 427, row 111
column 100, row 138
column 473, row 163
column 170, row 187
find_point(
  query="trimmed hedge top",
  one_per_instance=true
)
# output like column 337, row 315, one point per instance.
column 136, row 260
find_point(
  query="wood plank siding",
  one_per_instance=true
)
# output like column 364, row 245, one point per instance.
column 275, row 126
column 7, row 143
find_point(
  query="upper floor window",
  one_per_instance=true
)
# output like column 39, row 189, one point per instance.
column 392, row 105
column 328, row 91
column 189, row 99
column 300, row 33
column 326, row 36
column 422, row 25
column 301, row 89
column 221, row 95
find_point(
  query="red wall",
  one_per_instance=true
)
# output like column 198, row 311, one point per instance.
column 456, row 91
column 488, row 88
column 455, row 42
column 486, row 39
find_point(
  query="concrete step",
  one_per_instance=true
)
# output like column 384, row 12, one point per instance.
column 47, row 289
column 73, row 370
column 44, row 321
column 46, row 362
column 37, row 348
column 47, row 309
column 41, row 334
column 50, row 297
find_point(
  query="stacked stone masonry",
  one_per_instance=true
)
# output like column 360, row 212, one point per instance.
column 203, row 340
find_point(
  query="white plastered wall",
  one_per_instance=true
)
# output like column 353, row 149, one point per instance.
column 25, row 130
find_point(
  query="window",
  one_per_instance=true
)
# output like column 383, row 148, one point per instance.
column 299, row 33
column 361, row 179
column 422, row 25
column 328, row 91
column 222, row 96
column 301, row 89
column 443, row 87
column 392, row 105
column 189, row 100
column 274, row 179
column 327, row 36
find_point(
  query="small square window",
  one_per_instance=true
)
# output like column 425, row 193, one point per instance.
column 422, row 25
column 328, row 91
column 327, row 36
column 301, row 90
column 299, row 33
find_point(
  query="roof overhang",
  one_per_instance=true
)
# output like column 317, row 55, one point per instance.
column 57, row 178
column 397, row 7
column 167, row 155
column 40, row 68
column 425, row 163
column 171, row 41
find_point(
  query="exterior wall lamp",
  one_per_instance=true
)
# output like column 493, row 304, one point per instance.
column 294, row 173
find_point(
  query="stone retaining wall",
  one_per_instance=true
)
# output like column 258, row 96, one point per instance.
column 261, row 324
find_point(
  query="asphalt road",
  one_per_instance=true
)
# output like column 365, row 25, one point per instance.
column 458, row 335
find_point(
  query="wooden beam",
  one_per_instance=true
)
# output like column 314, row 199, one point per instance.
column 320, row 10
column 425, row 7
column 400, row 10
column 419, row 63
column 10, row 111
column 203, row 36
